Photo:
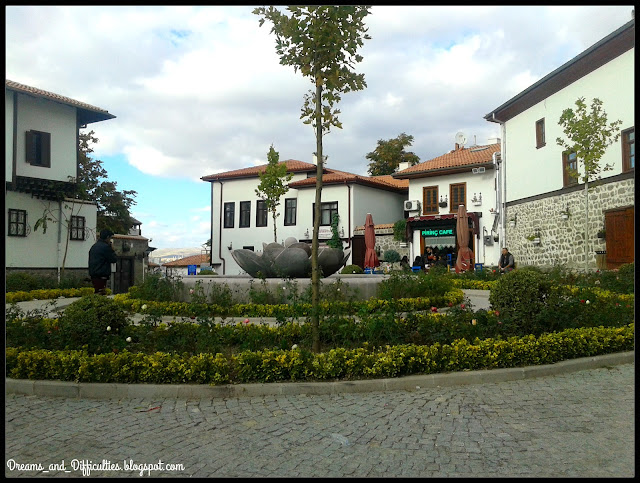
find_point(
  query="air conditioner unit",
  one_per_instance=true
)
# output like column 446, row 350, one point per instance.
column 412, row 205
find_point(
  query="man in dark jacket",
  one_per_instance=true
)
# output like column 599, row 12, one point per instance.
column 101, row 256
column 506, row 263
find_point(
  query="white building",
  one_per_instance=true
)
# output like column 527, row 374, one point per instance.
column 41, row 166
column 464, row 176
column 537, row 188
column 239, row 218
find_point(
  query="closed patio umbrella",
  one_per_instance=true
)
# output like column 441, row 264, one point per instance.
column 370, row 256
column 464, row 260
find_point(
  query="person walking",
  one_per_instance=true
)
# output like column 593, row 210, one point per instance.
column 101, row 256
column 506, row 262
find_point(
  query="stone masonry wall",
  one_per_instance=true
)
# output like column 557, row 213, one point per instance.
column 562, row 241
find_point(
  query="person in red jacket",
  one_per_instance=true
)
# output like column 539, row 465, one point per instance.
column 101, row 256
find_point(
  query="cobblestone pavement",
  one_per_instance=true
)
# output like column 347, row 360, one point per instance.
column 570, row 425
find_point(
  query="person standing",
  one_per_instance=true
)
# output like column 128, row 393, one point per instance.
column 101, row 256
column 506, row 262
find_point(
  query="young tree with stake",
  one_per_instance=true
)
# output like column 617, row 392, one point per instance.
column 322, row 43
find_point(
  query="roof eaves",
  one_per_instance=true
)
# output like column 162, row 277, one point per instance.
column 491, row 116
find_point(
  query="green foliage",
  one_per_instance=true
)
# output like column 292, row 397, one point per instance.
column 407, row 285
column 335, row 241
column 294, row 364
column 24, row 282
column 589, row 136
column 54, row 293
column 388, row 155
column 400, row 230
column 392, row 256
column 94, row 321
column 350, row 269
column 273, row 185
column 114, row 206
column 157, row 287
column 521, row 294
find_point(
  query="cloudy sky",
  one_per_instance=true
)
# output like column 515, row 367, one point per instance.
column 199, row 90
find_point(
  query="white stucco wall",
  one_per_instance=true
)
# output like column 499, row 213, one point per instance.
column 476, row 184
column 57, row 119
column 8, row 134
column 530, row 171
column 386, row 204
column 47, row 250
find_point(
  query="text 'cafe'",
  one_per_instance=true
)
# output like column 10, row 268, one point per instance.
column 441, row 230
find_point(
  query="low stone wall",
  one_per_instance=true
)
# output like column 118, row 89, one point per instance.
column 562, row 241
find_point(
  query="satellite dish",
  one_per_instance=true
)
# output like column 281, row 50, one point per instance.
column 461, row 138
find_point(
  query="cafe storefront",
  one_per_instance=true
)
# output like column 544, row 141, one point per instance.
column 439, row 231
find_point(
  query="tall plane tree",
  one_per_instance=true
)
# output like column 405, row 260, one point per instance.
column 113, row 205
column 388, row 155
column 321, row 42
column 273, row 185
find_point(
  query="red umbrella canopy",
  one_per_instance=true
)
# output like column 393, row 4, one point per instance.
column 464, row 260
column 370, row 256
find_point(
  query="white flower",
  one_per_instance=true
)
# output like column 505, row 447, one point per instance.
column 294, row 346
column 587, row 302
column 144, row 307
column 191, row 291
column 128, row 339
column 108, row 328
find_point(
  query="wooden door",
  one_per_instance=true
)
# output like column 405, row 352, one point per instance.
column 357, row 251
column 123, row 278
column 619, row 236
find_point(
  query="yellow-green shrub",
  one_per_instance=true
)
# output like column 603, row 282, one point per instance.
column 295, row 364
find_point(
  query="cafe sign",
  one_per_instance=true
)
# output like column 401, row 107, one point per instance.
column 437, row 232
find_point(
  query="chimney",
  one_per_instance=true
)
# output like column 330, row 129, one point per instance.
column 493, row 140
column 457, row 147
column 403, row 165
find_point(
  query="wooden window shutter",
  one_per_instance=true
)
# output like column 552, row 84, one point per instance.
column 31, row 149
column 45, row 149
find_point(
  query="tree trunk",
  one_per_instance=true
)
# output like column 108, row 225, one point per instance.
column 275, row 237
column 315, row 271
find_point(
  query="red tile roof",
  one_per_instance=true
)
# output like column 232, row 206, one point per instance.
column 293, row 166
column 192, row 260
column 15, row 86
column 464, row 157
column 333, row 176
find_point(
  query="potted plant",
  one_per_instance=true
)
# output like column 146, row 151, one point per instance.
column 565, row 214
column 602, row 233
column 443, row 202
column 535, row 238
column 512, row 222
column 400, row 232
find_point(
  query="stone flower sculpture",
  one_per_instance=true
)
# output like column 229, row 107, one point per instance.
column 291, row 260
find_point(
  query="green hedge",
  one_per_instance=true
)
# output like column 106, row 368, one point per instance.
column 296, row 364
column 13, row 297
column 281, row 311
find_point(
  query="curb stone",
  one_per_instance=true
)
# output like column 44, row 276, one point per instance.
column 407, row 383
